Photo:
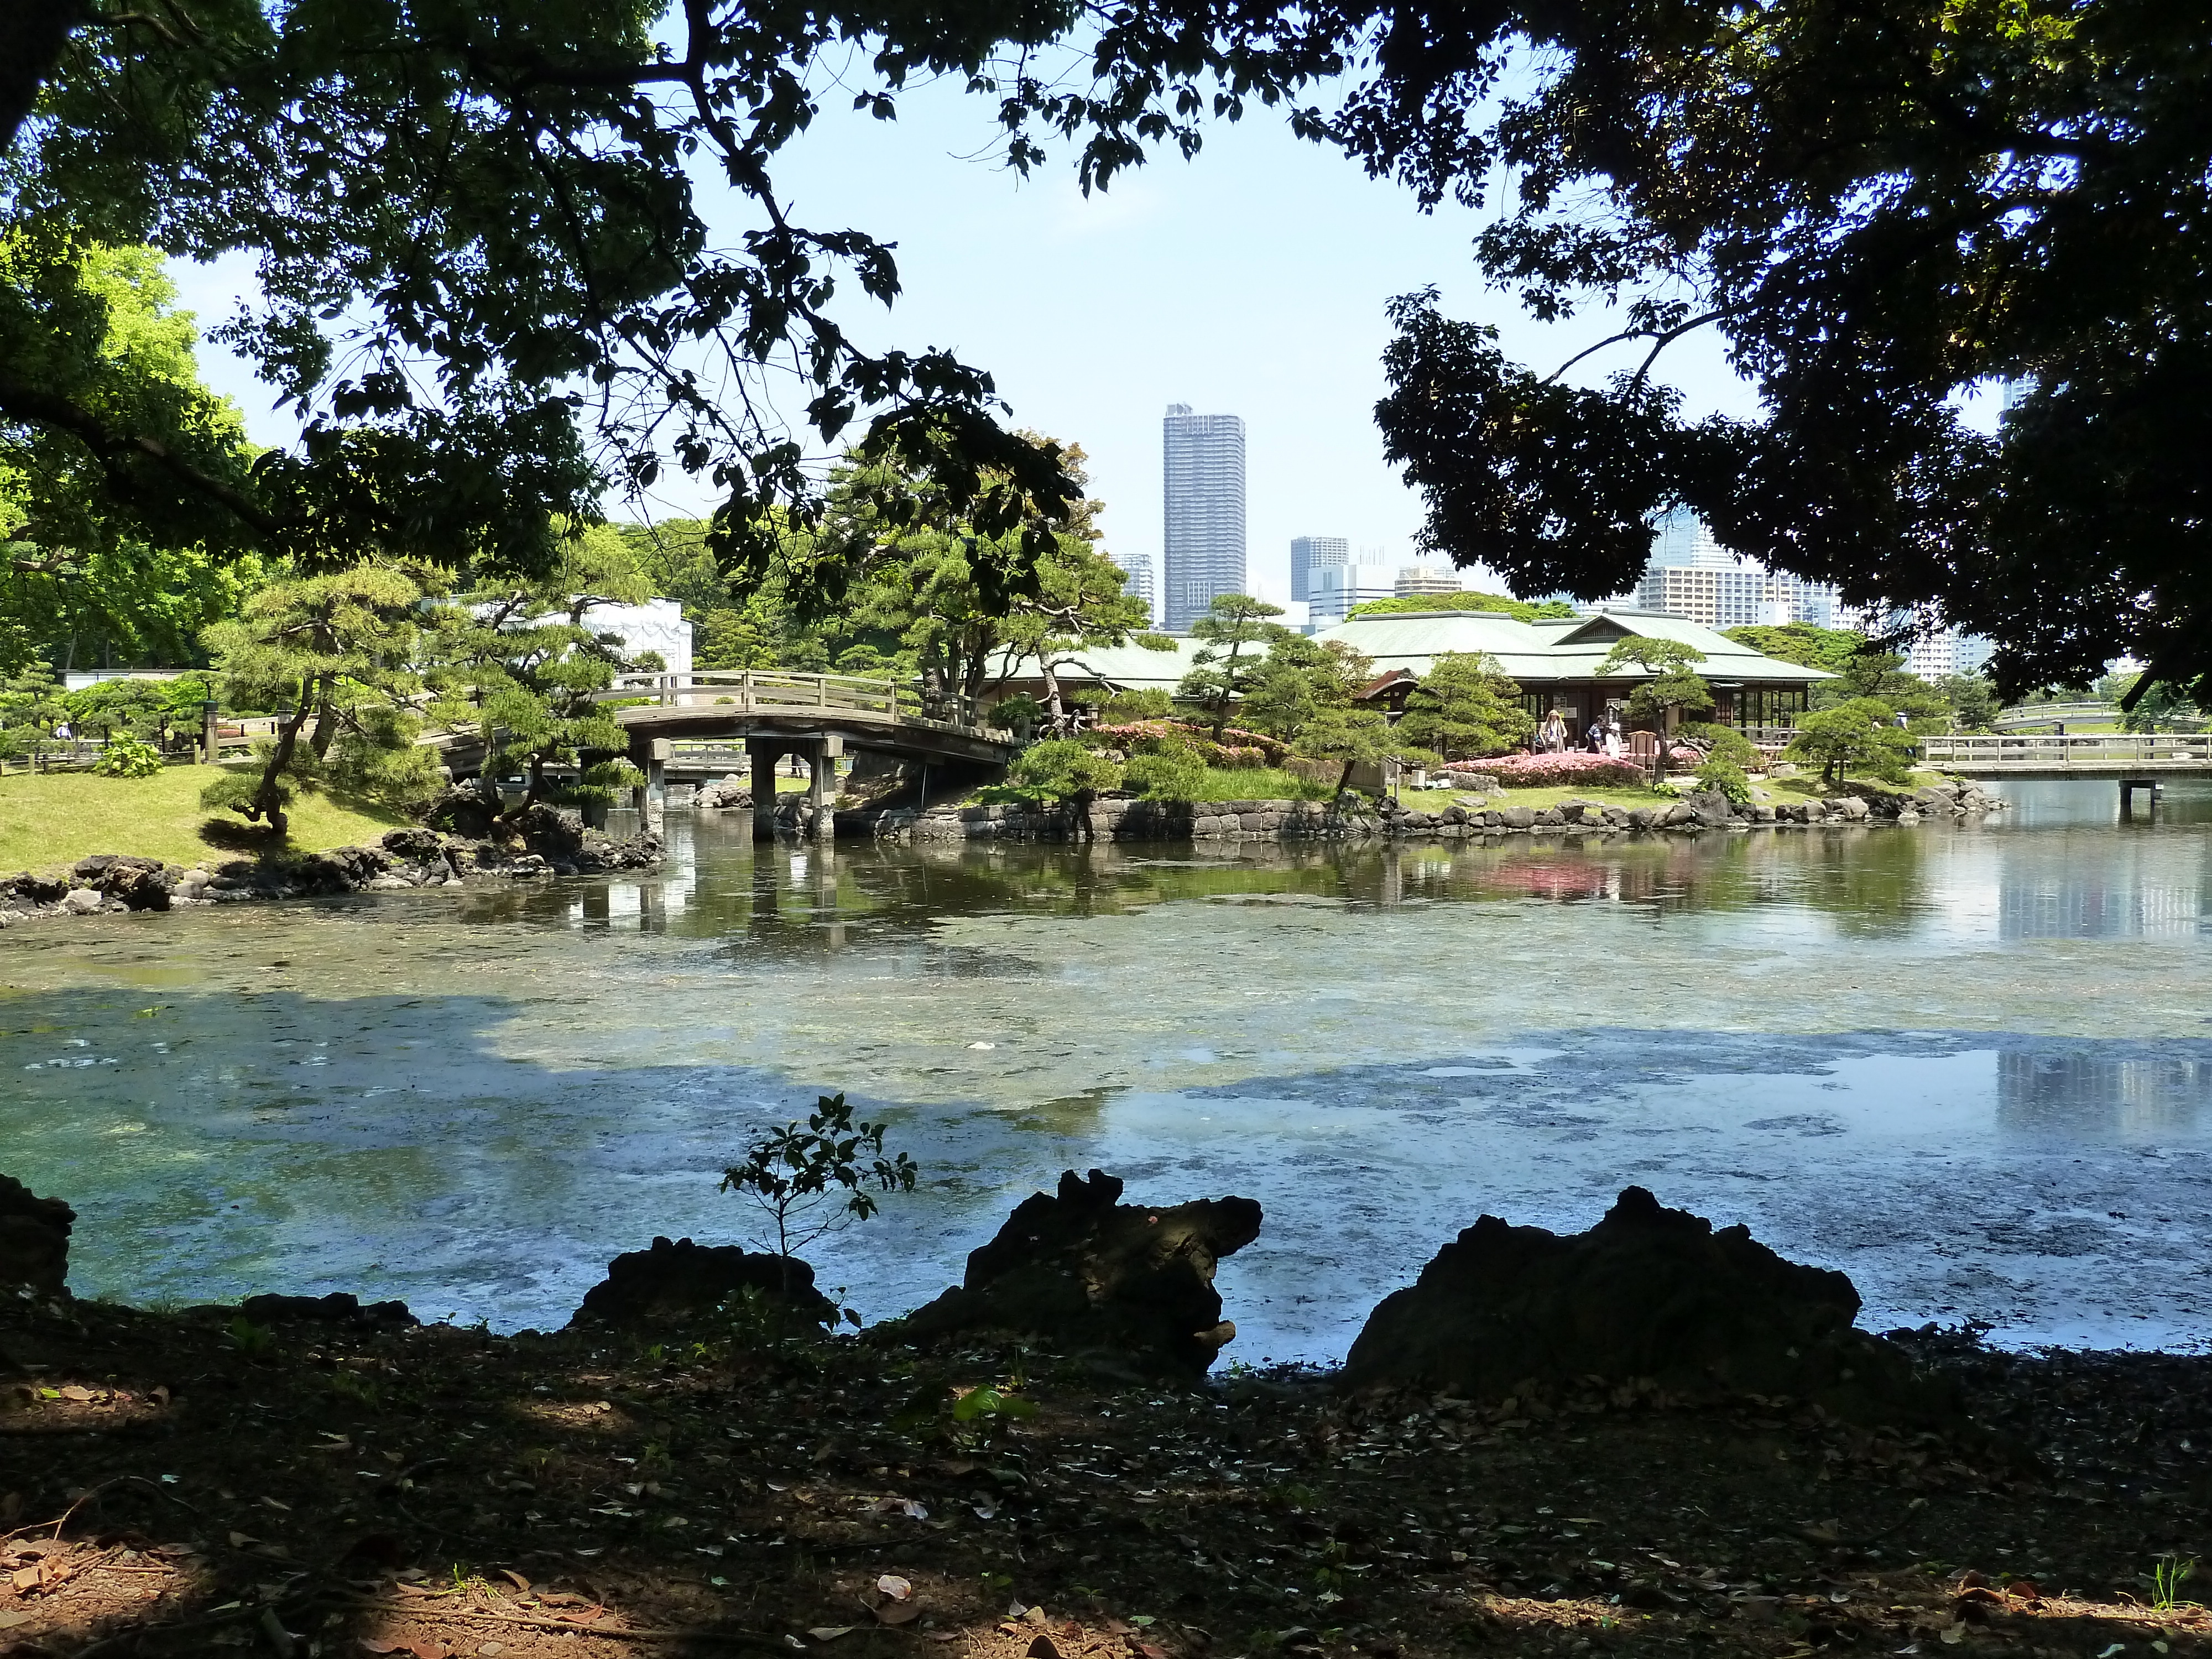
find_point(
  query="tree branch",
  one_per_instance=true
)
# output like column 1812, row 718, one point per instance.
column 1661, row 339
column 113, row 449
column 32, row 33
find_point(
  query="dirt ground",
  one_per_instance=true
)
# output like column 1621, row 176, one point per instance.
column 198, row 1484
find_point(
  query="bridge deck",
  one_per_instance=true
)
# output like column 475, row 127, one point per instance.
column 755, row 704
column 2039, row 755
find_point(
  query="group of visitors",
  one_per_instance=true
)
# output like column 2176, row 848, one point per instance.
column 1602, row 736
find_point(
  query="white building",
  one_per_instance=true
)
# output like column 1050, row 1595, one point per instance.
column 1424, row 578
column 657, row 625
column 1337, row 588
column 1138, row 571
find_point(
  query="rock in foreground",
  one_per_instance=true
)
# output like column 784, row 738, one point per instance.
column 1086, row 1273
column 34, row 1235
column 682, row 1280
column 1648, row 1296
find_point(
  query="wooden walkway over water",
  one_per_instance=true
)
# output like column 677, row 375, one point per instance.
column 2124, row 756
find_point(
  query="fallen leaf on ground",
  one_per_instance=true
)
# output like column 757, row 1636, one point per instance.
column 831, row 1632
column 897, row 1588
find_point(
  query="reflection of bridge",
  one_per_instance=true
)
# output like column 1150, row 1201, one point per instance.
column 772, row 714
column 2133, row 762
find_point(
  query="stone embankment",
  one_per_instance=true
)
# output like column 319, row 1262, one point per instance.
column 1476, row 816
column 540, row 842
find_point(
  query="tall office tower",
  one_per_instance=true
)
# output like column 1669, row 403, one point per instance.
column 1203, row 555
column 1312, row 553
column 1139, row 571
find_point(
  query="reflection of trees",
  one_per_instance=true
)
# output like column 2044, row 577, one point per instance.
column 802, row 899
column 1874, row 883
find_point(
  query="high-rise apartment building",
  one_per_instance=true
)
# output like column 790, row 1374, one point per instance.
column 1691, row 575
column 1203, row 457
column 1312, row 553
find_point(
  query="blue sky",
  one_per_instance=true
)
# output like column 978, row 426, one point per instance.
column 1250, row 281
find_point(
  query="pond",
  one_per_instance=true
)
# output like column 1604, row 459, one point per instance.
column 1971, row 1066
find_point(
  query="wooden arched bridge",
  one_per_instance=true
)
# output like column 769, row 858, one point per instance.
column 774, row 714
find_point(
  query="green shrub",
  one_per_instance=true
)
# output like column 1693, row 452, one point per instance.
column 1166, row 771
column 1150, row 704
column 127, row 757
column 1065, row 769
column 1725, row 742
column 1728, row 777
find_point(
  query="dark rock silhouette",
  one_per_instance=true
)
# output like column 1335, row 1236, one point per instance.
column 1085, row 1273
column 1649, row 1295
column 339, row 1308
column 682, row 1279
column 34, row 1235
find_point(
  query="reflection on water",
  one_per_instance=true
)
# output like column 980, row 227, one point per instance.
column 1970, row 1065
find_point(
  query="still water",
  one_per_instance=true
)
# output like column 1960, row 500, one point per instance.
column 1971, row 1066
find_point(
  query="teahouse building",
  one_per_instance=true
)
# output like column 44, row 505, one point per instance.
column 1555, row 661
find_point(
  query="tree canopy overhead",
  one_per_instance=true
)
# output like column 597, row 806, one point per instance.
column 490, row 285
column 491, row 289
column 1879, row 208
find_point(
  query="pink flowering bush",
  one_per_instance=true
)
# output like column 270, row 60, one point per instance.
column 1574, row 766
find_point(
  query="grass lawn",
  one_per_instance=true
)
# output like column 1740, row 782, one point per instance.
column 48, row 820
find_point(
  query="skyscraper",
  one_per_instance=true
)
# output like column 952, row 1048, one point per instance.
column 1204, row 460
column 1312, row 553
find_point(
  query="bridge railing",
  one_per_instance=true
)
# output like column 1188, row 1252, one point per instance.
column 758, row 690
column 2033, row 749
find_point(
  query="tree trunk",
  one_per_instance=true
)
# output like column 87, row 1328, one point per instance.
column 266, row 804
column 1054, row 715
column 1228, row 690
column 327, row 719
column 1079, row 804
column 31, row 35
column 536, row 784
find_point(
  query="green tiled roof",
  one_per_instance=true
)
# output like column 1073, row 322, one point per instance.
column 1539, row 653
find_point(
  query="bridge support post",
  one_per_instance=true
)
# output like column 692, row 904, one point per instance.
column 2128, row 787
column 822, row 816
column 656, row 786
column 763, row 757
